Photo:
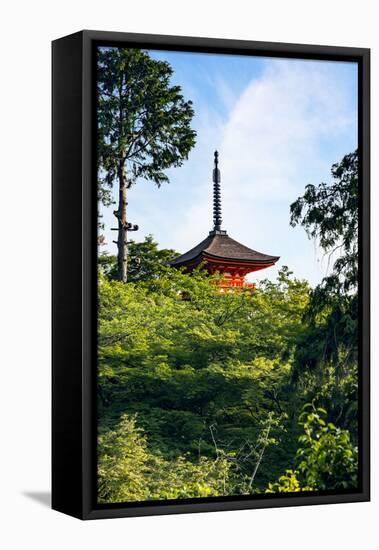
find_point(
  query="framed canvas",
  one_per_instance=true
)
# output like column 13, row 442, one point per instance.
column 210, row 275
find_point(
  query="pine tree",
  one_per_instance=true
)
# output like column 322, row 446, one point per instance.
column 143, row 129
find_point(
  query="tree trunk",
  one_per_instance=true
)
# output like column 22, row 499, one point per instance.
column 122, row 243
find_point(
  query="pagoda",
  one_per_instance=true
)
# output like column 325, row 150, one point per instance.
column 220, row 253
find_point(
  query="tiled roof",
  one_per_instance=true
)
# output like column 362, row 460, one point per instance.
column 219, row 245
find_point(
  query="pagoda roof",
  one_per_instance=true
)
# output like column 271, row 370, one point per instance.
column 219, row 246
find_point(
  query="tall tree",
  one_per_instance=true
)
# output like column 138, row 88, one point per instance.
column 329, row 213
column 329, row 348
column 144, row 127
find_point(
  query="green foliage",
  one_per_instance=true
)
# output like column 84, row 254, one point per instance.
column 329, row 213
column 207, row 373
column 143, row 121
column 145, row 261
column 326, row 459
column 128, row 472
column 326, row 357
column 287, row 483
column 122, row 462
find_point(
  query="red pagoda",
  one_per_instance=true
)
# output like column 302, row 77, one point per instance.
column 220, row 253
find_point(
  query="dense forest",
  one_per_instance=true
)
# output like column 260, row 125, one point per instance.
column 208, row 394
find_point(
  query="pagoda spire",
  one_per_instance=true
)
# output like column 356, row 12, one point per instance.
column 217, row 220
column 219, row 253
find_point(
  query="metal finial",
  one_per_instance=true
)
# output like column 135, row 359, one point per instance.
column 217, row 220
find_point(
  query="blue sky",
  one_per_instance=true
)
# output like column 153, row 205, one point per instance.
column 278, row 124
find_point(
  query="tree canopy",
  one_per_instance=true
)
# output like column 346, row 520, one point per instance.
column 328, row 353
column 146, row 261
column 329, row 214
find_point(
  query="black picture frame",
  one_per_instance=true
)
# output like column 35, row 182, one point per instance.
column 74, row 271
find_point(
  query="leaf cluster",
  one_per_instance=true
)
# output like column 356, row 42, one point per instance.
column 143, row 120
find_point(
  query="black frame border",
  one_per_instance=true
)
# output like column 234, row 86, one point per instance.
column 74, row 271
